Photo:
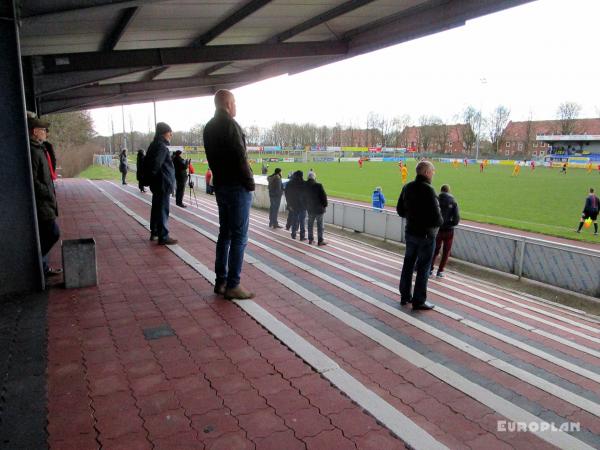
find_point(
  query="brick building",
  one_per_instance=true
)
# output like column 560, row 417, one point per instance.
column 450, row 139
column 519, row 138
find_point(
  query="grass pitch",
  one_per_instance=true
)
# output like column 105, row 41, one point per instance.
column 543, row 201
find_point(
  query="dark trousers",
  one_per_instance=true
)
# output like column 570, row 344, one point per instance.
column 234, row 219
column 444, row 237
column 419, row 251
column 298, row 222
column 179, row 191
column 311, row 223
column 49, row 235
column 123, row 175
column 141, row 186
column 290, row 219
column 159, row 215
column 274, row 209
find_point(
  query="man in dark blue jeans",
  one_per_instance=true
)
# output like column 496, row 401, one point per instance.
column 419, row 205
column 233, row 181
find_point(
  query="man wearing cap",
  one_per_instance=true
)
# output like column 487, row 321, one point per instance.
column 275, row 193
column 419, row 205
column 160, row 172
column 233, row 182
column 45, row 197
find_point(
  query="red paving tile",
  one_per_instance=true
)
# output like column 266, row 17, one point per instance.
column 224, row 382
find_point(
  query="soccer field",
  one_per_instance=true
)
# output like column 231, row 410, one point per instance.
column 543, row 201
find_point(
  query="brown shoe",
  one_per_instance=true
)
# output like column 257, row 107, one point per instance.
column 219, row 288
column 168, row 241
column 238, row 293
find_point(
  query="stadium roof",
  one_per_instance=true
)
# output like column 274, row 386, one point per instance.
column 86, row 54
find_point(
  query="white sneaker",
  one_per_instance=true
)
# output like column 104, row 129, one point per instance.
column 440, row 275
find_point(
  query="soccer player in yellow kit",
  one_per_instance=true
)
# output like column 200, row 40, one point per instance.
column 404, row 172
column 516, row 170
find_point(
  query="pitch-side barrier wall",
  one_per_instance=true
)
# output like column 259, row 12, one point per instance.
column 574, row 268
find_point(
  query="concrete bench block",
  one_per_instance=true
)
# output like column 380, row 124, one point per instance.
column 79, row 263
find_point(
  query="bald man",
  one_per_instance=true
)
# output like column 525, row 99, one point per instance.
column 233, row 183
column 420, row 207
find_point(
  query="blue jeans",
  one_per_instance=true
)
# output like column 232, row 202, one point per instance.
column 419, row 251
column 298, row 219
column 311, row 222
column 234, row 218
column 159, row 215
column 274, row 209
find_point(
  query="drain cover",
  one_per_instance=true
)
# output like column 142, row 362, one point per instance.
column 158, row 332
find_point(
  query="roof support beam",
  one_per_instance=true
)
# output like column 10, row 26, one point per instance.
column 119, row 29
column 339, row 10
column 52, row 83
column 249, row 8
column 45, row 10
column 168, row 56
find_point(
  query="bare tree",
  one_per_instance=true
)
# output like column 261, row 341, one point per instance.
column 427, row 132
column 496, row 124
column 472, row 118
column 441, row 135
column 567, row 114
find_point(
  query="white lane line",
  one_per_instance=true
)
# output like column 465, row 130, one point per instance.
column 534, row 380
column 394, row 420
column 541, row 354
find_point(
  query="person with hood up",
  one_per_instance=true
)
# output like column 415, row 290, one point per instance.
column 378, row 199
column 275, row 193
column 316, row 203
column 295, row 196
column 445, row 235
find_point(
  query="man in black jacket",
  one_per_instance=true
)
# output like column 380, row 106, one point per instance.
column 180, row 177
column 295, row 196
column 275, row 193
column 43, row 187
column 316, row 203
column 419, row 205
column 139, row 167
column 160, row 171
column 445, row 236
column 233, row 182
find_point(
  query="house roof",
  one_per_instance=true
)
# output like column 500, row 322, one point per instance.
column 517, row 131
column 83, row 54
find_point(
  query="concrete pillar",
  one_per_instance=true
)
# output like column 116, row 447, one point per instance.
column 20, row 260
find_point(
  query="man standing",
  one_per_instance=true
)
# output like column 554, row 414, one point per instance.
column 590, row 211
column 180, row 178
column 45, row 197
column 161, row 174
column 123, row 165
column 451, row 217
column 139, row 167
column 419, row 205
column 295, row 196
column 316, row 203
column 275, row 193
column 233, row 182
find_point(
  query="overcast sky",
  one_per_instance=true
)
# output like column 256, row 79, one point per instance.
column 533, row 57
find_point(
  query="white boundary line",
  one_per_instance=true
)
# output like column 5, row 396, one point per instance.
column 534, row 380
column 394, row 420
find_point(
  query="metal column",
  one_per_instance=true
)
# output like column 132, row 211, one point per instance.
column 20, row 261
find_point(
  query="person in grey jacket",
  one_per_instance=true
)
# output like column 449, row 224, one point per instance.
column 43, row 187
column 419, row 205
column 275, row 193
column 161, row 176
column 445, row 235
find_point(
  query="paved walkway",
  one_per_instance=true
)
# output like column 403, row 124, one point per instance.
column 151, row 358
